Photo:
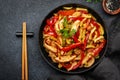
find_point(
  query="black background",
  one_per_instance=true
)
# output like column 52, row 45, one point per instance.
column 12, row 14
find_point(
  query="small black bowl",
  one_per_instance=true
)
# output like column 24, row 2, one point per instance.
column 45, row 54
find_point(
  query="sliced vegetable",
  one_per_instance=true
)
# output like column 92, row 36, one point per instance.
column 98, row 38
column 98, row 49
column 79, row 62
column 75, row 18
column 75, row 37
column 89, row 62
column 87, row 23
column 76, row 14
column 65, row 22
column 66, row 65
column 67, row 8
column 52, row 20
column 51, row 48
column 72, row 46
column 91, row 33
column 75, row 25
column 65, row 33
column 94, row 23
column 82, row 10
column 66, row 12
column 72, row 32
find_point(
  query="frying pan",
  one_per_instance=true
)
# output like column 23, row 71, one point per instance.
column 45, row 54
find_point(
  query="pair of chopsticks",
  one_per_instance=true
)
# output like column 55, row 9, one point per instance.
column 24, row 54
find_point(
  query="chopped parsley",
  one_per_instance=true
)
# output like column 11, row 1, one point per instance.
column 65, row 22
column 66, row 33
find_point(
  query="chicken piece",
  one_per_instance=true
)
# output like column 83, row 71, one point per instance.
column 49, row 44
column 51, row 48
column 53, row 44
column 75, row 25
column 81, row 23
column 99, row 38
column 47, row 40
column 78, row 58
column 53, row 38
column 53, row 56
column 72, row 65
column 82, row 9
column 76, row 14
column 59, row 46
column 59, row 26
column 60, row 39
column 90, row 62
column 86, row 58
column 67, row 8
column 80, row 36
column 77, row 51
column 65, row 58
column 90, row 46
column 92, row 31
column 86, row 15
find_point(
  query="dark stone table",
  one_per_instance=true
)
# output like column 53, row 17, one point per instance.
column 12, row 14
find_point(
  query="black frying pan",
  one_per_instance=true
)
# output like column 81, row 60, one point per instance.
column 45, row 54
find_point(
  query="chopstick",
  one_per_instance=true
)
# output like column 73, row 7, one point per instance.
column 24, row 54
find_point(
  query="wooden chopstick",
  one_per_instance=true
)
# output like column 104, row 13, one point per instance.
column 24, row 54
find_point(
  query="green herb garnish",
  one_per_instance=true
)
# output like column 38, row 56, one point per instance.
column 66, row 33
column 72, row 32
column 65, row 22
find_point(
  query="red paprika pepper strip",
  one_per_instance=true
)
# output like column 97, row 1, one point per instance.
column 87, row 23
column 51, row 28
column 50, row 23
column 50, row 31
column 97, row 27
column 46, row 29
column 75, row 18
column 52, row 20
column 66, row 12
column 80, row 62
column 98, row 33
column 77, row 33
column 72, row 46
column 51, row 34
column 67, row 66
column 75, row 37
column 97, row 50
column 94, row 23
column 85, row 41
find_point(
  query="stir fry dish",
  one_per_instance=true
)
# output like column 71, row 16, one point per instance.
column 73, row 38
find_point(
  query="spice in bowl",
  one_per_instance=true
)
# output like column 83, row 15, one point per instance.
column 111, row 6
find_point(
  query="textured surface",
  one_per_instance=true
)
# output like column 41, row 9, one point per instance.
column 12, row 14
